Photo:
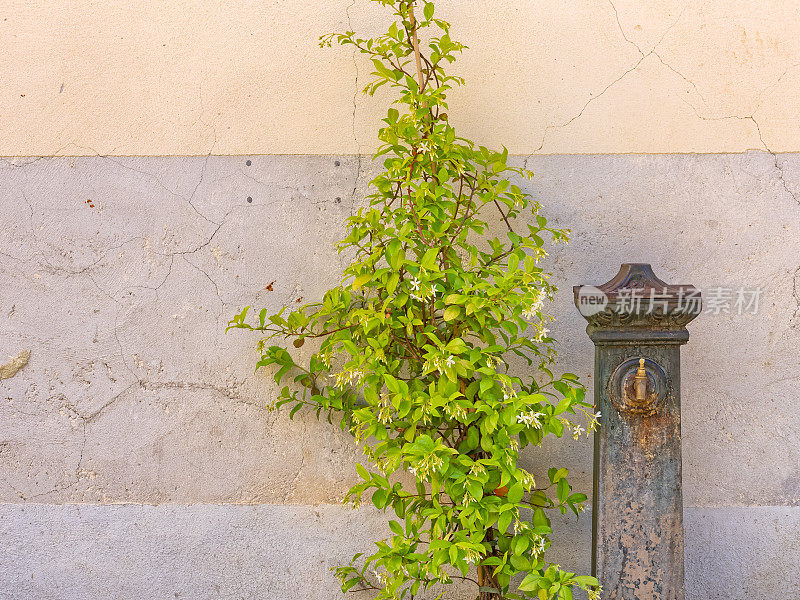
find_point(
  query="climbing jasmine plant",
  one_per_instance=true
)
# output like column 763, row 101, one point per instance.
column 415, row 351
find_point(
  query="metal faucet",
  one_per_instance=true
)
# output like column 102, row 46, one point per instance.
column 640, row 383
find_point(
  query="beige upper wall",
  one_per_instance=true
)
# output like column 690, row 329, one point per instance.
column 546, row 76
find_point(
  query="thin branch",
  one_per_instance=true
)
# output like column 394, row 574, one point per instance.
column 505, row 218
column 415, row 42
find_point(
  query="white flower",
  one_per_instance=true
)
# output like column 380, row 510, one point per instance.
column 456, row 412
column 415, row 297
column 385, row 415
column 414, row 283
column 438, row 364
column 577, row 430
column 527, row 480
column 530, row 312
column 538, row 547
column 477, row 469
column 450, row 361
column 543, row 331
column 531, row 419
column 472, row 556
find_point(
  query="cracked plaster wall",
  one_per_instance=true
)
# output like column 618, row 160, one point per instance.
column 119, row 274
column 602, row 76
column 136, row 455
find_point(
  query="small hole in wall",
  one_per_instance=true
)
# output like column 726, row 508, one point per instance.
column 338, row 201
column 337, row 163
column 250, row 199
column 249, row 162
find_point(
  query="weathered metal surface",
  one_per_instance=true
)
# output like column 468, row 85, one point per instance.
column 637, row 323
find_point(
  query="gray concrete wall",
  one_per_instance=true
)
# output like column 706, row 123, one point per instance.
column 137, row 458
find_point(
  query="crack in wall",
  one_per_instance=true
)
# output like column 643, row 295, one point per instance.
column 78, row 476
column 14, row 161
column 99, row 411
column 199, row 183
column 229, row 392
column 58, row 269
column 641, row 59
column 292, row 487
column 119, row 163
column 222, row 302
column 102, row 271
column 653, row 52
column 355, row 108
column 795, row 321
column 764, row 148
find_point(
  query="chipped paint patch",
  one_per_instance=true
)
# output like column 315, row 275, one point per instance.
column 8, row 370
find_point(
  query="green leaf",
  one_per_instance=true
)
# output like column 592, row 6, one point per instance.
column 563, row 490
column 429, row 259
column 391, row 284
column 504, row 521
column 515, row 493
column 428, row 11
column 294, row 410
column 540, row 518
column 379, row 498
column 350, row 583
column 397, row 257
column 383, row 70
column 456, row 346
column 510, row 327
column 471, row 442
column 563, row 405
column 361, row 280
column 530, row 583
column 391, row 383
column 451, row 313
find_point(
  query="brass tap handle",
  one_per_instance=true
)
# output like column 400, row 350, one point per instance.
column 640, row 383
